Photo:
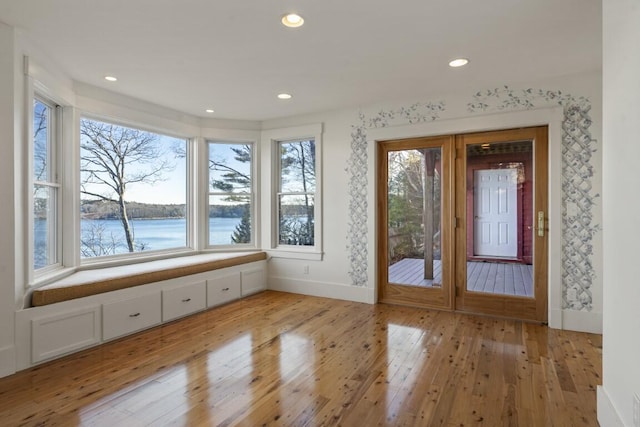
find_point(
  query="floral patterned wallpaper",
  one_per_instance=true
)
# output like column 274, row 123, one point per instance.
column 357, row 238
column 578, row 146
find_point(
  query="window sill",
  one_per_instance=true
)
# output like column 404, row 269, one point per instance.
column 135, row 258
column 291, row 254
column 92, row 282
column 60, row 273
column 51, row 276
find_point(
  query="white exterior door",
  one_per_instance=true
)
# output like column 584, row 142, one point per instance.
column 495, row 213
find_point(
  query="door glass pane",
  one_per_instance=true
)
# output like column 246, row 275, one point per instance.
column 500, row 220
column 414, row 214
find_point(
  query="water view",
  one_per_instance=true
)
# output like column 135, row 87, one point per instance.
column 156, row 234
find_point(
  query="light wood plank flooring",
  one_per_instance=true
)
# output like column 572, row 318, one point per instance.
column 493, row 277
column 280, row 359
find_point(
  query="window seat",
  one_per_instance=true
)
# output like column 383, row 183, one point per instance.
column 91, row 282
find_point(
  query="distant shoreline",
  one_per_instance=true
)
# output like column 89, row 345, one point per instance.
column 150, row 219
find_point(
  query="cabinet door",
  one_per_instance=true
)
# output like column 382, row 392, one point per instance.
column 63, row 333
column 130, row 315
column 183, row 300
column 253, row 281
column 223, row 289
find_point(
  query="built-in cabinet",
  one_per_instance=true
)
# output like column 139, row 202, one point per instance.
column 47, row 332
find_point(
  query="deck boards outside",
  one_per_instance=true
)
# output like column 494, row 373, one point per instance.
column 491, row 277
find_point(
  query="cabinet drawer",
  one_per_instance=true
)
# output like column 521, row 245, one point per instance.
column 130, row 315
column 183, row 300
column 223, row 289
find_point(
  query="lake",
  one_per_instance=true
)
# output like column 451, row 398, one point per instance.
column 158, row 234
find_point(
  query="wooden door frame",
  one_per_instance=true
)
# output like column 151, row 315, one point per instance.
column 510, row 306
column 455, row 297
column 440, row 298
column 552, row 116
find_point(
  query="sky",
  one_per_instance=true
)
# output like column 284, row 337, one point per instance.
column 172, row 189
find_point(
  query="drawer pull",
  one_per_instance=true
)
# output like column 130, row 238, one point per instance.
column 186, row 300
column 134, row 314
column 225, row 289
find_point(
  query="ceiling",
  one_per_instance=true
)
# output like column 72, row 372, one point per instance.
column 235, row 56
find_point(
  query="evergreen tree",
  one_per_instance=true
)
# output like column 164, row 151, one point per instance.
column 242, row 233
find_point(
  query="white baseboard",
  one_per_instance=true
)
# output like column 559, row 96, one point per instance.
column 555, row 318
column 582, row 321
column 322, row 289
column 607, row 414
column 7, row 361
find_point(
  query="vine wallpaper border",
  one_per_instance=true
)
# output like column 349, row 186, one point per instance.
column 578, row 146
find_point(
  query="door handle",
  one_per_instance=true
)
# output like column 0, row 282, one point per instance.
column 540, row 224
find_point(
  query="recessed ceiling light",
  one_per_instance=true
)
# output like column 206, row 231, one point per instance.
column 209, row 110
column 292, row 20
column 458, row 62
column 111, row 78
column 284, row 96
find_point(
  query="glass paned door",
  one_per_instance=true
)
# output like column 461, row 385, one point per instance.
column 414, row 218
column 499, row 221
column 501, row 206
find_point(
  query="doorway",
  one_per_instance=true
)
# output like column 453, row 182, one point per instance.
column 495, row 208
column 462, row 222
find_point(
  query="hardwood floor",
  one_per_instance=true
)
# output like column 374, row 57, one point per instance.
column 285, row 359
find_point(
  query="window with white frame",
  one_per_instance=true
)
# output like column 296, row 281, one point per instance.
column 296, row 193
column 230, row 193
column 133, row 190
column 46, row 186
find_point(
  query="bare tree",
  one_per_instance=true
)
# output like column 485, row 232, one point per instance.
column 96, row 241
column 113, row 158
column 298, row 161
column 40, row 125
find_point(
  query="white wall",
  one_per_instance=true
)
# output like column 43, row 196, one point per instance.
column 621, row 106
column 581, row 308
column 8, row 264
